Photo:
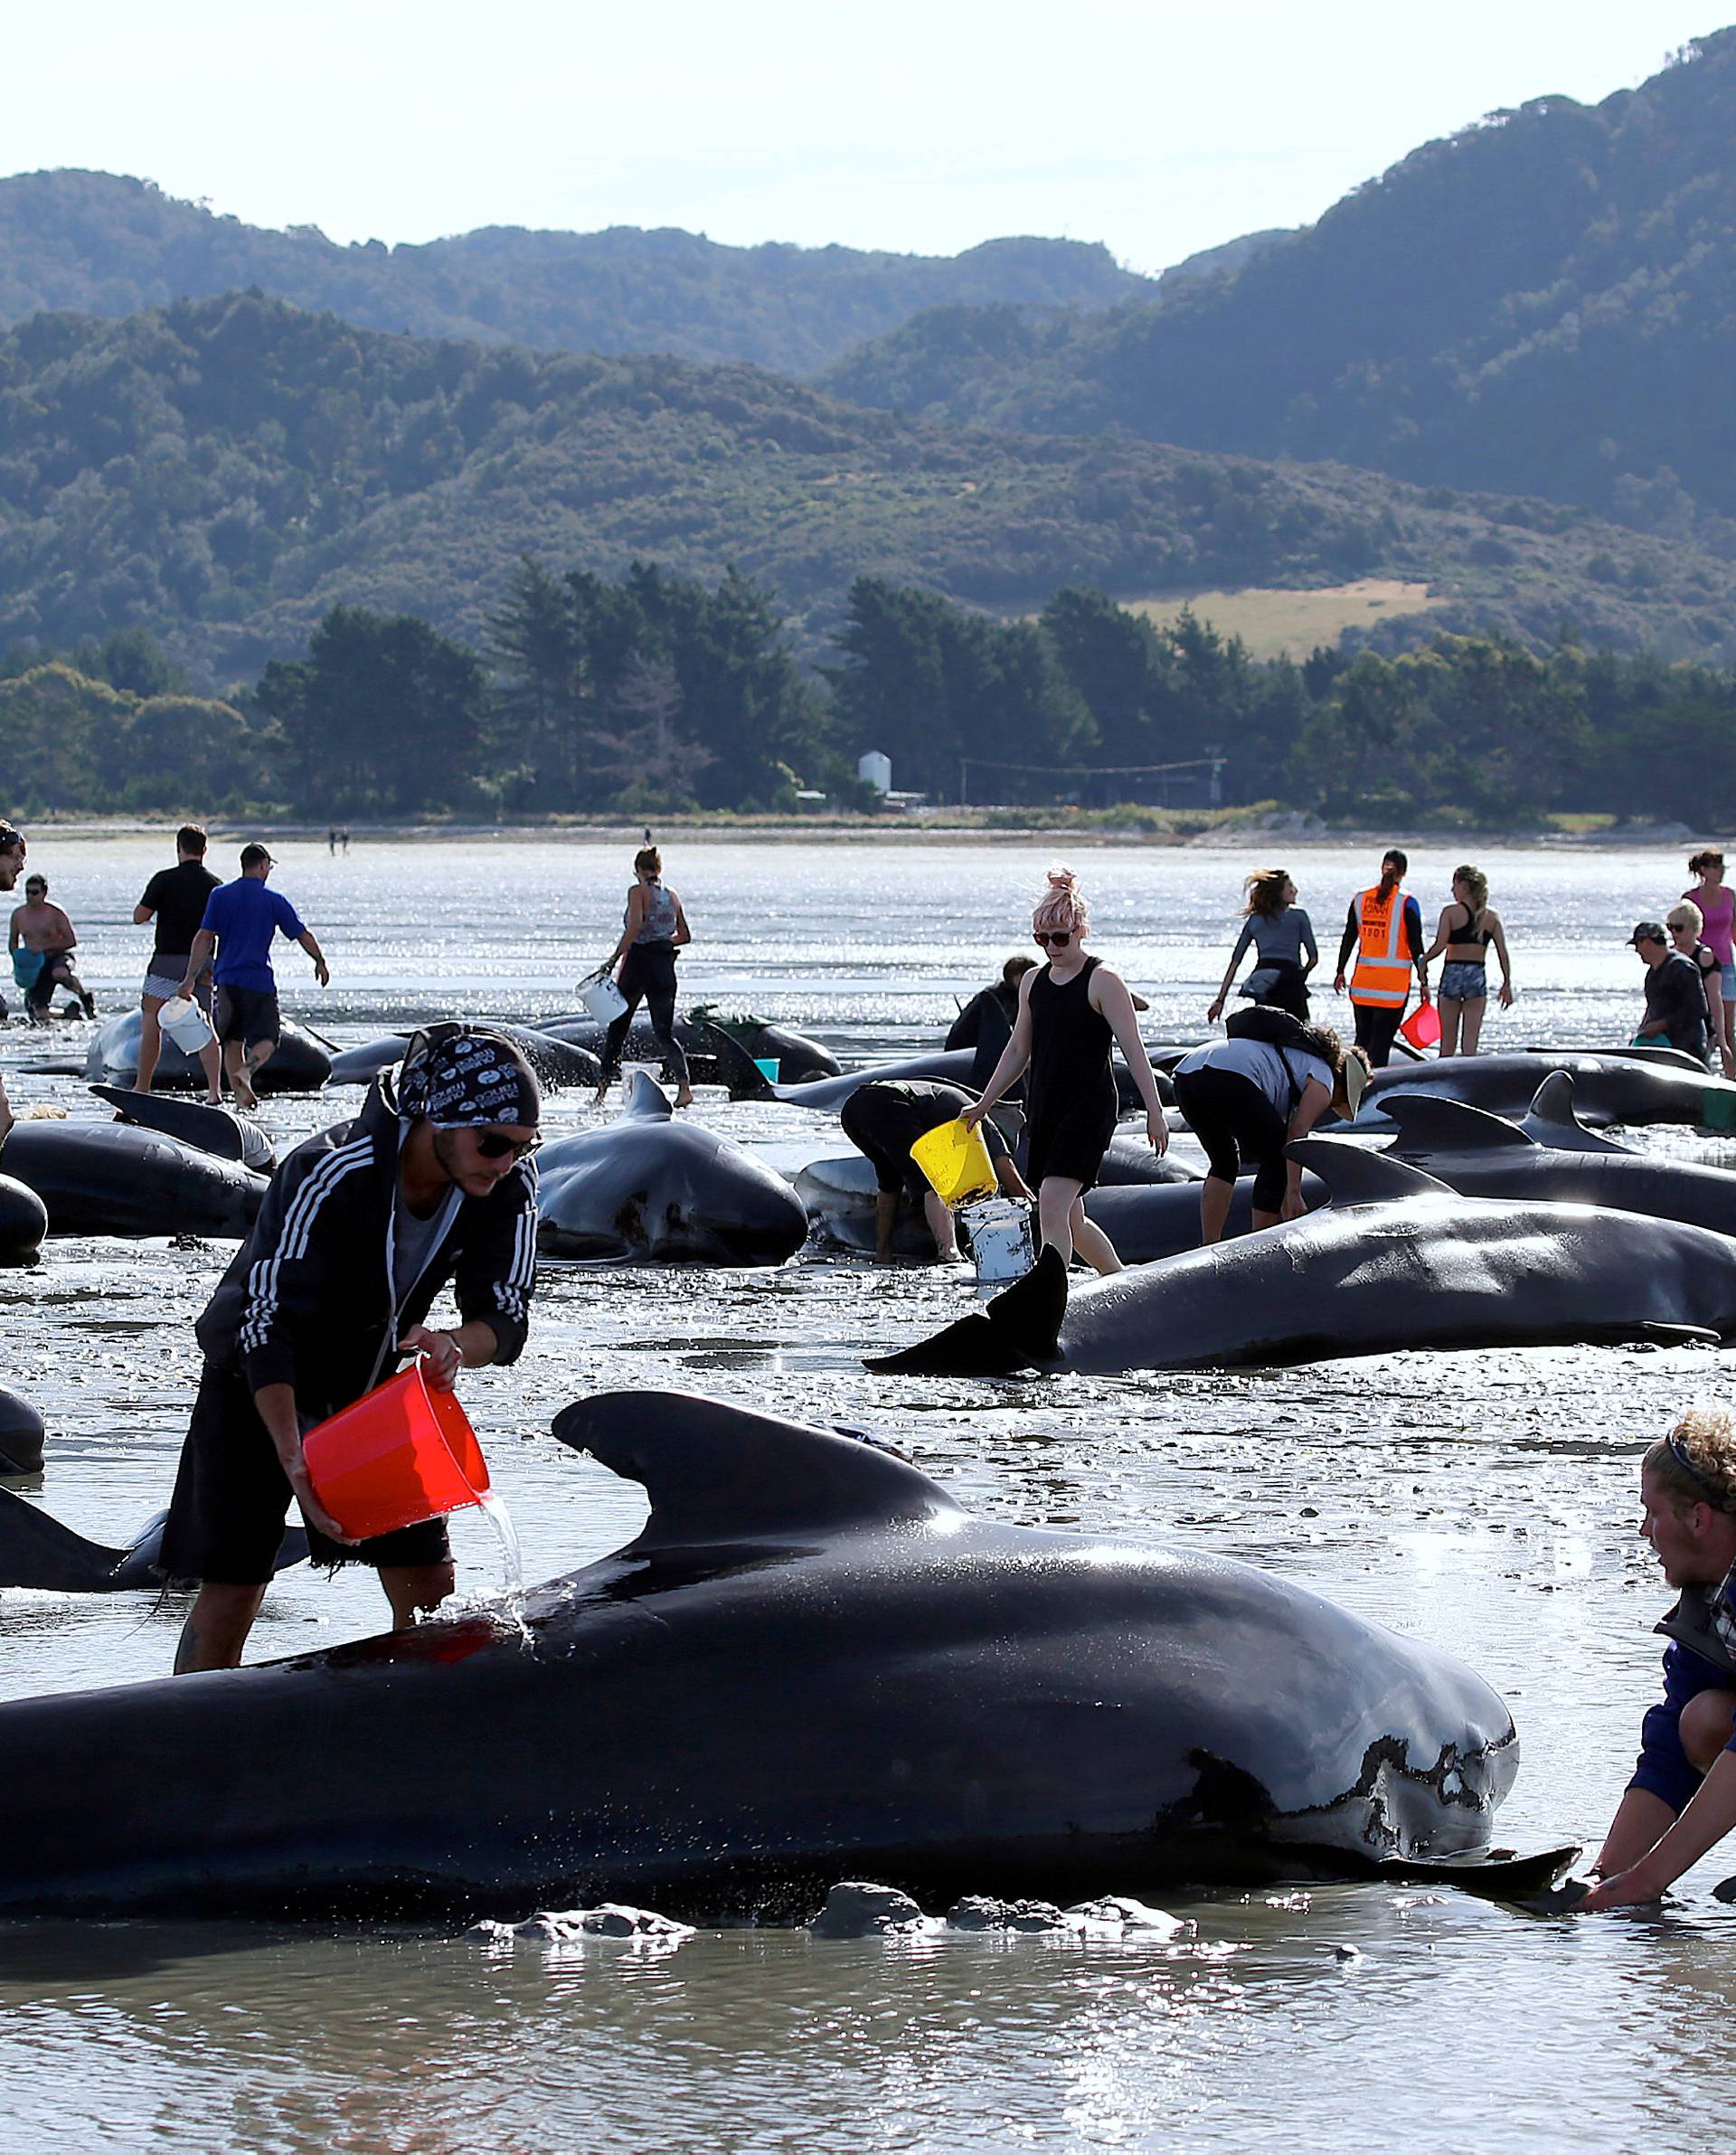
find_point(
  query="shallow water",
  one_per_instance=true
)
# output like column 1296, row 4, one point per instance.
column 1483, row 1501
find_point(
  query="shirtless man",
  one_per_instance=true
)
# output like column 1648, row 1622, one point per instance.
column 43, row 931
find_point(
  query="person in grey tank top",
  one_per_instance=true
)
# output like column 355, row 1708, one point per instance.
column 653, row 928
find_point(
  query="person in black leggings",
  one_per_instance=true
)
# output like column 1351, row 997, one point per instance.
column 1072, row 1012
column 653, row 928
column 1244, row 1100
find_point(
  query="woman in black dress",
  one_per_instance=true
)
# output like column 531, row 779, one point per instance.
column 1072, row 1012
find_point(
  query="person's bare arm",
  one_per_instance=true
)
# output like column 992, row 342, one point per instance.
column 205, row 946
column 1442, row 938
column 1109, row 998
column 682, row 934
column 143, row 915
column 277, row 1409
column 1314, row 1101
column 322, row 972
column 1708, row 1816
column 14, row 933
column 64, row 928
column 1498, row 936
column 1015, row 1055
column 471, row 1345
column 633, row 923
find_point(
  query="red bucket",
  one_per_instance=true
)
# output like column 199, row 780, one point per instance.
column 1422, row 1027
column 402, row 1454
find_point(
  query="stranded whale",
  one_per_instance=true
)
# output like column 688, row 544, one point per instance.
column 646, row 1186
column 1607, row 1088
column 112, row 1179
column 298, row 1064
column 21, row 1441
column 36, row 1550
column 1396, row 1260
column 811, row 1664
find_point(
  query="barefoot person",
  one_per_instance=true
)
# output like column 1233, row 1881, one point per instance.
column 239, row 921
column 1684, row 922
column 1467, row 929
column 43, row 941
column 175, row 899
column 653, row 928
column 1281, row 936
column 1072, row 1012
column 361, row 1228
column 883, row 1120
column 1245, row 1097
column 1717, row 905
column 1682, row 1799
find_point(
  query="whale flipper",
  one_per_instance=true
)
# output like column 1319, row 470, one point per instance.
column 1355, row 1175
column 1430, row 1122
column 714, row 1473
column 1550, row 1120
column 1020, row 1330
column 645, row 1101
column 36, row 1550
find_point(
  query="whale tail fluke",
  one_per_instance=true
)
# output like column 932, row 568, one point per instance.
column 36, row 1550
column 1020, row 1330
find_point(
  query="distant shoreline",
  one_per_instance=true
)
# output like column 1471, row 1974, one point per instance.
column 1217, row 834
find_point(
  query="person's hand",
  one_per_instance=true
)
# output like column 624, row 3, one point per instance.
column 322, row 973
column 1214, row 1011
column 1506, row 995
column 187, row 988
column 1730, row 1063
column 972, row 1115
column 1156, row 1130
column 1338, row 984
column 314, row 1512
column 442, row 1357
column 1424, row 993
column 1631, row 1888
column 1292, row 1207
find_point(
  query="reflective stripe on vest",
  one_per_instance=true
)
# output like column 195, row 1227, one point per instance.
column 1383, row 974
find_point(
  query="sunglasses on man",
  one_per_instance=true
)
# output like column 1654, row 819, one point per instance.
column 494, row 1145
column 1051, row 938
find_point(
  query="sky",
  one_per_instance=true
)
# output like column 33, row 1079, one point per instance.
column 920, row 125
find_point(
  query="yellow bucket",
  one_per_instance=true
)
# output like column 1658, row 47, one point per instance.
column 956, row 1161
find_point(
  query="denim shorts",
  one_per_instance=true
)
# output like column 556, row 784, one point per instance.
column 1464, row 983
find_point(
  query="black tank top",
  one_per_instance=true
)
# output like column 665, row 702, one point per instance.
column 1070, row 1042
column 1473, row 931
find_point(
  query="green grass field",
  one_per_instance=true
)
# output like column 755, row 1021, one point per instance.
column 1276, row 624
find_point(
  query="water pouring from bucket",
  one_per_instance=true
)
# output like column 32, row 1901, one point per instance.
column 402, row 1454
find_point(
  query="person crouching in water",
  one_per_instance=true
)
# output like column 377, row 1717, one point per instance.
column 1245, row 1099
column 1682, row 1799
column 361, row 1227
column 1072, row 1012
column 883, row 1120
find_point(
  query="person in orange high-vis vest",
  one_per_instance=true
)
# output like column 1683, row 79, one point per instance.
column 1384, row 929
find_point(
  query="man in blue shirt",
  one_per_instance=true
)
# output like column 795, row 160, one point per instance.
column 240, row 920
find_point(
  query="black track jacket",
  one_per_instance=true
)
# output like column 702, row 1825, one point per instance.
column 308, row 1298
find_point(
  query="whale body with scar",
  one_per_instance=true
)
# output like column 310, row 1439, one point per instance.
column 811, row 1664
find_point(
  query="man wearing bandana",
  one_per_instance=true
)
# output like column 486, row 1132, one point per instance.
column 361, row 1227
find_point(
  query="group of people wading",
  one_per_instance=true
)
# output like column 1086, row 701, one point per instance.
column 1380, row 950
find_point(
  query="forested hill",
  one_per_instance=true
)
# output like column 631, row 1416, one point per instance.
column 88, row 243
column 223, row 471
column 1543, row 304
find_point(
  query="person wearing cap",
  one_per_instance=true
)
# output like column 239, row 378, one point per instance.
column 1675, row 998
column 1245, row 1097
column 1682, row 1799
column 361, row 1228
column 240, row 919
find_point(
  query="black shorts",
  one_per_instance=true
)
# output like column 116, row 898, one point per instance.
column 231, row 1496
column 1238, row 1126
column 1072, row 1143
column 247, row 1015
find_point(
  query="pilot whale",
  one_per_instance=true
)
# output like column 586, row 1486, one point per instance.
column 298, row 1063
column 648, row 1187
column 812, row 1664
column 36, row 1550
column 1607, row 1088
column 114, row 1178
column 1395, row 1260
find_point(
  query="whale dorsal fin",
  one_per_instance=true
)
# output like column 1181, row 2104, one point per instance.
column 716, row 1473
column 1430, row 1122
column 645, row 1100
column 1553, row 1120
column 1354, row 1175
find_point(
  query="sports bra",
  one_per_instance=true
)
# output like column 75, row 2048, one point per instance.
column 1469, row 933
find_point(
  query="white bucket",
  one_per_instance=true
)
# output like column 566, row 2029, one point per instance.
column 1000, row 1241
column 602, row 998
column 186, row 1025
